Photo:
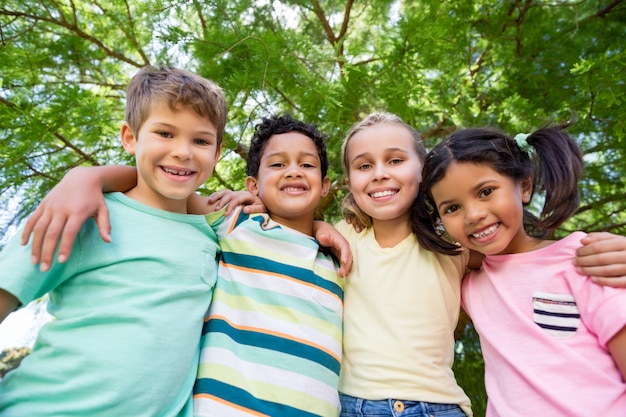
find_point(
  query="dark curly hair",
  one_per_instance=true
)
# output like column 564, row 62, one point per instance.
column 275, row 125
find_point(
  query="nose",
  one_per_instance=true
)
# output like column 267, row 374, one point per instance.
column 293, row 171
column 181, row 149
column 380, row 172
column 474, row 213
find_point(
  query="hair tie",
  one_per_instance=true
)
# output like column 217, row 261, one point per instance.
column 522, row 142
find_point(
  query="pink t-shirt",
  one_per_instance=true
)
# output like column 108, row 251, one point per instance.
column 543, row 330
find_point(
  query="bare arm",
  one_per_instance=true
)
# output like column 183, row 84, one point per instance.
column 219, row 199
column 330, row 237
column 7, row 304
column 617, row 347
column 603, row 258
column 63, row 211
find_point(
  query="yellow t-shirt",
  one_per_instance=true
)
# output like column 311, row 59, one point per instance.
column 401, row 306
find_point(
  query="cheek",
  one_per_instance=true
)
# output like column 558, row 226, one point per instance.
column 454, row 229
column 355, row 182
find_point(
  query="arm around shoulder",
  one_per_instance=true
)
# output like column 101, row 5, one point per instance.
column 63, row 211
column 330, row 237
column 603, row 258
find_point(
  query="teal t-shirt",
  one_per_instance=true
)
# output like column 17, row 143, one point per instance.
column 129, row 316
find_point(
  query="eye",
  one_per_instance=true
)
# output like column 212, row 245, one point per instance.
column 307, row 165
column 450, row 209
column 364, row 167
column 276, row 165
column 202, row 142
column 396, row 161
column 485, row 192
column 164, row 134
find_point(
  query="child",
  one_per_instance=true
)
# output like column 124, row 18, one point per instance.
column 556, row 339
column 401, row 302
column 126, row 336
column 272, row 338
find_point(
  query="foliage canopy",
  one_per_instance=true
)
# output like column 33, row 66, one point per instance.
column 440, row 65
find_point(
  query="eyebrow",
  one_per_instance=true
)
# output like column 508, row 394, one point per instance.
column 283, row 153
column 475, row 188
column 395, row 149
column 443, row 203
column 170, row 126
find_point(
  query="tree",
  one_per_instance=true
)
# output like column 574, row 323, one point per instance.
column 440, row 65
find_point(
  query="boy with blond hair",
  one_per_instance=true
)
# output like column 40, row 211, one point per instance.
column 128, row 314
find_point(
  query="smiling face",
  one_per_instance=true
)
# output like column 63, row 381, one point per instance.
column 175, row 152
column 482, row 209
column 384, row 172
column 289, row 180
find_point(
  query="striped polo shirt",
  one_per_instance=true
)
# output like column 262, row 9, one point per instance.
column 271, row 342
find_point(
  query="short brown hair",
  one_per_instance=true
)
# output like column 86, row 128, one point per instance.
column 178, row 88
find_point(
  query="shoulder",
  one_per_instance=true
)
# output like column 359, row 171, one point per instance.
column 348, row 232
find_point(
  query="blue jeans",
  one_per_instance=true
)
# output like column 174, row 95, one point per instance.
column 358, row 407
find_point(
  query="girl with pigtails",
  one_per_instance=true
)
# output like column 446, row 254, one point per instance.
column 554, row 342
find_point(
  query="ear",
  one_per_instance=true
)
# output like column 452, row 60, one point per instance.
column 325, row 186
column 252, row 186
column 218, row 153
column 128, row 139
column 526, row 185
column 348, row 183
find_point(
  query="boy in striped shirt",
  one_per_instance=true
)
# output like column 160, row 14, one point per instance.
column 272, row 337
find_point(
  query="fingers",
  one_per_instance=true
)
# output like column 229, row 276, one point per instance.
column 225, row 200
column 103, row 222
column 29, row 226
column 600, row 243
column 229, row 209
column 256, row 208
column 609, row 271
column 216, row 196
column 47, row 239
column 617, row 282
column 604, row 255
column 341, row 249
column 38, row 225
column 603, row 258
column 345, row 265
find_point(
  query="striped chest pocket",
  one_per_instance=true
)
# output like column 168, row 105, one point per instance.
column 557, row 314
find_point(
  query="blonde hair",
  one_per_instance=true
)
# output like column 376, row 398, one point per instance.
column 349, row 207
column 178, row 88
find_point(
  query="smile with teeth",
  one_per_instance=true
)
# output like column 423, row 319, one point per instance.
column 486, row 232
column 293, row 189
column 386, row 193
column 176, row 172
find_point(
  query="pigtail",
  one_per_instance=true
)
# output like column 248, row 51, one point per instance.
column 558, row 168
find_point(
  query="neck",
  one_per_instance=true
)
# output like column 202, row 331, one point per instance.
column 389, row 233
column 174, row 206
column 301, row 225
